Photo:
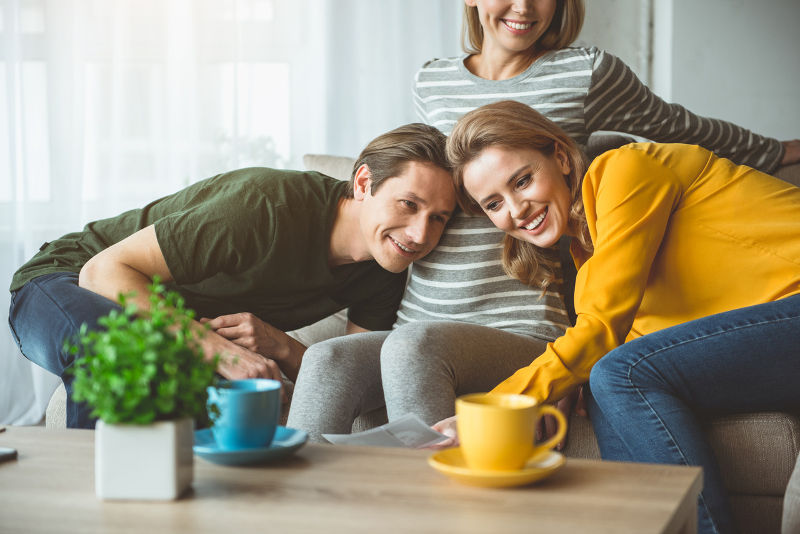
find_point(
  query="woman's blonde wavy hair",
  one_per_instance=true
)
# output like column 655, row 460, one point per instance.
column 513, row 125
column 562, row 32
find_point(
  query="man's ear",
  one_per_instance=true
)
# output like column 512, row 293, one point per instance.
column 562, row 159
column 362, row 182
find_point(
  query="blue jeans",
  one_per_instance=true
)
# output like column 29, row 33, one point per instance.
column 44, row 313
column 651, row 397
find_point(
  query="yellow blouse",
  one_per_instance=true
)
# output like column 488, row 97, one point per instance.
column 678, row 234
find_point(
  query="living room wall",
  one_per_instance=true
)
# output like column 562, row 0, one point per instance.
column 621, row 27
column 732, row 59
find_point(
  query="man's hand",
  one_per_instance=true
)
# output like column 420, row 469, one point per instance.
column 242, row 363
column 236, row 362
column 792, row 153
column 251, row 333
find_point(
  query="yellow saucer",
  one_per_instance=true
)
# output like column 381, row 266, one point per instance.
column 451, row 462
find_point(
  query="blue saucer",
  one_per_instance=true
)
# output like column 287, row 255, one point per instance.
column 285, row 442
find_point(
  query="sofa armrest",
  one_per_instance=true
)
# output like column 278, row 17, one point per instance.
column 56, row 414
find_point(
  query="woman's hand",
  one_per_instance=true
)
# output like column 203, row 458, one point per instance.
column 792, row 152
column 448, row 428
column 548, row 425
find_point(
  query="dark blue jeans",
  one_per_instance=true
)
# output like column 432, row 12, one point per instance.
column 48, row 310
column 650, row 398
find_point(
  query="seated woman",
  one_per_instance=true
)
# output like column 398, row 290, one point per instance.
column 688, row 287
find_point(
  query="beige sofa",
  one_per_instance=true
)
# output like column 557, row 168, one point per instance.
column 756, row 452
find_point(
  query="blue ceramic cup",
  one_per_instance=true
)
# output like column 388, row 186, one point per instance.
column 244, row 413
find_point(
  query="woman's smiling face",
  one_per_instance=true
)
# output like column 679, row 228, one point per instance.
column 523, row 191
column 513, row 25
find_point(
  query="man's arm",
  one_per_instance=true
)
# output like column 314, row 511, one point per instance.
column 250, row 332
column 128, row 266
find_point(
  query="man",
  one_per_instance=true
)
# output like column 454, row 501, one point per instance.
column 256, row 252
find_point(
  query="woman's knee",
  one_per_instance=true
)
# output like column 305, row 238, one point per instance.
column 326, row 358
column 637, row 365
column 414, row 344
column 354, row 357
column 609, row 374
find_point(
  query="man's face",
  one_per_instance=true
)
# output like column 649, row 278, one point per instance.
column 404, row 219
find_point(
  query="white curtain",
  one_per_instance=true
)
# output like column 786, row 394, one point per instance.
column 107, row 104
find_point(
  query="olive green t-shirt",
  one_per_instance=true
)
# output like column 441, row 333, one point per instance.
column 253, row 240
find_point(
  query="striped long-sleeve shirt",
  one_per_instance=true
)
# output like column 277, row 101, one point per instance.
column 582, row 90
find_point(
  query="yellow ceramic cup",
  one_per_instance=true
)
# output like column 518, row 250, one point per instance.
column 498, row 431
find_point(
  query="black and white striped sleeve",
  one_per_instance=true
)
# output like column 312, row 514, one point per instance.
column 619, row 101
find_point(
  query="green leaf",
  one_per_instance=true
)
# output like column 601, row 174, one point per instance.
column 142, row 367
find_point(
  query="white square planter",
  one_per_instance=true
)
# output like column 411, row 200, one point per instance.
column 147, row 462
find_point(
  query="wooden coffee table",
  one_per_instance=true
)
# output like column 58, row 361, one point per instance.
column 326, row 488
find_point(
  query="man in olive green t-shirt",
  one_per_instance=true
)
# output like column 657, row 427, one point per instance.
column 256, row 252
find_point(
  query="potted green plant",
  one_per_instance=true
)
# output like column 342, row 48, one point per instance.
column 145, row 378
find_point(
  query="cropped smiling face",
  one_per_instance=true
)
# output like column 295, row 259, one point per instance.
column 524, row 192
column 403, row 220
column 513, row 25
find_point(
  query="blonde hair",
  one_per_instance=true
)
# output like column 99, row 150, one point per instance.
column 562, row 32
column 514, row 125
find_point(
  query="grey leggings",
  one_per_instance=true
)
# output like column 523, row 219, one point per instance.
column 420, row 367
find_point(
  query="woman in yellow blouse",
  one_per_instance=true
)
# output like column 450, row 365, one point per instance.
column 688, row 287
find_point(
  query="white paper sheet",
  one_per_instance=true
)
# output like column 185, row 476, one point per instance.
column 408, row 431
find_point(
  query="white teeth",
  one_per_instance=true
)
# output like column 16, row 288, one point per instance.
column 517, row 25
column 406, row 249
column 536, row 222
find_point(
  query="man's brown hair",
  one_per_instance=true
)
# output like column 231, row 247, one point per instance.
column 387, row 155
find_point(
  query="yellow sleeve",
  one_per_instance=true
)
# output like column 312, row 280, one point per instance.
column 628, row 196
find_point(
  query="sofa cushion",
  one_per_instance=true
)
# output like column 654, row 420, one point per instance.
column 331, row 326
column 756, row 452
column 789, row 173
column 581, row 441
column 338, row 167
column 791, row 503
column 600, row 142
column 757, row 514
